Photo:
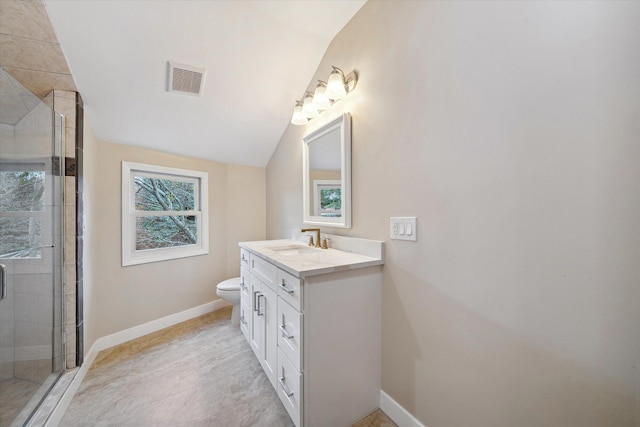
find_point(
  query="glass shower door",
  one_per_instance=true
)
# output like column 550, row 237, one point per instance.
column 31, row 230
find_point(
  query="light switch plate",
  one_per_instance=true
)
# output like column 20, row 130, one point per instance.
column 403, row 228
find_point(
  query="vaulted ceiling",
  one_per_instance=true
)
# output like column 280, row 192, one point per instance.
column 259, row 58
column 31, row 58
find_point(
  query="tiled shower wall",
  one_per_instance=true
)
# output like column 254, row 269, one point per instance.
column 64, row 102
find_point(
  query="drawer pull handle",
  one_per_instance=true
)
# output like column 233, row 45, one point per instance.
column 283, row 329
column 285, row 333
column 255, row 302
column 259, row 305
column 3, row 281
column 284, row 287
column 284, row 386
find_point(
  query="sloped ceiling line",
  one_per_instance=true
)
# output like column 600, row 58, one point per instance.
column 259, row 57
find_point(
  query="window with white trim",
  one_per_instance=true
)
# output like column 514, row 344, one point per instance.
column 164, row 213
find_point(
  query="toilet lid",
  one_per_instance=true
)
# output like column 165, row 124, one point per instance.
column 230, row 285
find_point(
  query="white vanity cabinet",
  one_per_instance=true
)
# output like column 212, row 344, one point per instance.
column 316, row 331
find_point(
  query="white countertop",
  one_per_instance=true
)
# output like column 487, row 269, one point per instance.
column 320, row 261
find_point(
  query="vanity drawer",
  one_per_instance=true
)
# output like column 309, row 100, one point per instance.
column 263, row 270
column 245, row 319
column 290, row 288
column 245, row 293
column 290, row 333
column 290, row 388
column 244, row 257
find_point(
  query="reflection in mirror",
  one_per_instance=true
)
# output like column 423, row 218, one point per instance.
column 327, row 174
column 327, row 197
column 324, row 175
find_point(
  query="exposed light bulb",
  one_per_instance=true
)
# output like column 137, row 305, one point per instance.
column 308, row 107
column 320, row 99
column 335, row 84
column 298, row 117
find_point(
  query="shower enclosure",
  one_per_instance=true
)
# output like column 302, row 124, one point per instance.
column 31, row 255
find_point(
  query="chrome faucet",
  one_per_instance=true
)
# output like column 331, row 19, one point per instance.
column 317, row 230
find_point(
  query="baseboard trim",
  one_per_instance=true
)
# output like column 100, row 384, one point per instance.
column 156, row 325
column 122, row 337
column 397, row 413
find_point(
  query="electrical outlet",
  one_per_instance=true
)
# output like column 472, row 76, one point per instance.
column 403, row 228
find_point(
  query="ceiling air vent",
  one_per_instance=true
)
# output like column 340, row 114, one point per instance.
column 185, row 79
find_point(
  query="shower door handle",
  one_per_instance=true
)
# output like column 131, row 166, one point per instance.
column 3, row 281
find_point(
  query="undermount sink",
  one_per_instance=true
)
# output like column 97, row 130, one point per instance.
column 294, row 249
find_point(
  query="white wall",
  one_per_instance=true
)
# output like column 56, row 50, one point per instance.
column 118, row 298
column 511, row 130
column 246, row 210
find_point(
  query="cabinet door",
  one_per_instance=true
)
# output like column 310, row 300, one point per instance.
column 269, row 309
column 256, row 332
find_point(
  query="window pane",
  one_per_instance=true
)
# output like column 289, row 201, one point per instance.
column 18, row 235
column 153, row 232
column 331, row 202
column 164, row 213
column 155, row 194
column 22, row 191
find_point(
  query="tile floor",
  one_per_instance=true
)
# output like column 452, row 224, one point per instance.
column 200, row 372
column 19, row 398
column 15, row 394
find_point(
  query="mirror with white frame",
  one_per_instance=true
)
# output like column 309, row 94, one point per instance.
column 326, row 169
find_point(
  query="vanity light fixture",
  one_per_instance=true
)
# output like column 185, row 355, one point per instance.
column 299, row 118
column 337, row 87
column 308, row 107
column 336, row 84
column 320, row 99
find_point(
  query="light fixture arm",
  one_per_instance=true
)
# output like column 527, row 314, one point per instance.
column 337, row 69
column 350, row 81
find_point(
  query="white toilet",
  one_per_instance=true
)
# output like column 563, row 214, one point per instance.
column 229, row 290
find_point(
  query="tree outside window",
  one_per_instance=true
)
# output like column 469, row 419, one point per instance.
column 165, row 214
column 22, row 203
